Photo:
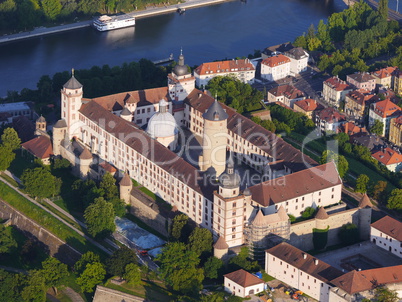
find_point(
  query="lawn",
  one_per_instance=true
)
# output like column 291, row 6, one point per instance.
column 150, row 290
column 46, row 220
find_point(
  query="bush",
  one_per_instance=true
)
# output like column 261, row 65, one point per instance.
column 349, row 234
column 320, row 238
column 308, row 212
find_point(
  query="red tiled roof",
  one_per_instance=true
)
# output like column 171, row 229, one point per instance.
column 350, row 128
column 384, row 72
column 296, row 184
column 108, row 167
column 224, row 66
column 117, row 101
column 40, row 146
column 360, row 77
column 337, row 84
column 362, row 97
column 276, row 61
column 307, row 105
column 243, row 278
column 255, row 134
column 389, row 226
column 289, row 91
column 137, row 139
column 385, row 108
column 310, row 265
column 354, row 282
column 388, row 156
column 331, row 115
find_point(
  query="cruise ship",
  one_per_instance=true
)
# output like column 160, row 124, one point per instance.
column 105, row 22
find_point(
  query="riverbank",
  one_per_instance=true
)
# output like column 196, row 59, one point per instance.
column 149, row 12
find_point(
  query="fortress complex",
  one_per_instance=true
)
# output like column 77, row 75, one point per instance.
column 141, row 134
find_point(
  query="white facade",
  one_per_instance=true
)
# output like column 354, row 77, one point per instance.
column 13, row 110
column 275, row 68
column 240, row 291
column 386, row 242
column 297, row 278
column 373, row 116
column 298, row 60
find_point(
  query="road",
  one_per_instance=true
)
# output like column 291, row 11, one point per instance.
column 393, row 15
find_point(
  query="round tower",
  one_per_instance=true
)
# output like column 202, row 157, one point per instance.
column 71, row 96
column 221, row 248
column 59, row 133
column 125, row 187
column 126, row 114
column 321, row 219
column 85, row 160
column 229, row 181
column 214, row 140
column 365, row 210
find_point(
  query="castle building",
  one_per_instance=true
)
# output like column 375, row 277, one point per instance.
column 109, row 130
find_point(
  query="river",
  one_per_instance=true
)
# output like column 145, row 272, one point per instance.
column 207, row 33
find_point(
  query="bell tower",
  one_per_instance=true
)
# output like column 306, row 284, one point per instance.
column 71, row 97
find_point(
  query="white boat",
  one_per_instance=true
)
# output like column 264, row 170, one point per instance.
column 105, row 22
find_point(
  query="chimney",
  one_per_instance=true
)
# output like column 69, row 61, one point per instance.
column 304, row 255
column 316, row 261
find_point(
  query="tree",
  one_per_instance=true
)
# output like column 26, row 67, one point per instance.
column 200, row 241
column 108, row 187
column 383, row 294
column 361, row 183
column 132, row 274
column 177, row 226
column 10, row 139
column 377, row 128
column 40, row 183
column 6, row 157
column 179, row 268
column 308, row 212
column 7, row 242
column 54, row 272
column 51, row 8
column 340, row 161
column 212, row 267
column 118, row 261
column 383, row 9
column 243, row 261
column 35, row 290
column 99, row 218
column 10, row 285
column 119, row 206
column 93, row 274
column 395, row 200
column 349, row 234
column 87, row 258
column 379, row 190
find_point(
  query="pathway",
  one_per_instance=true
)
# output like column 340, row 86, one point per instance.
column 109, row 252
column 14, row 270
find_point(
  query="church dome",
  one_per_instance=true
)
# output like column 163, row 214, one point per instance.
column 162, row 123
column 180, row 69
column 230, row 179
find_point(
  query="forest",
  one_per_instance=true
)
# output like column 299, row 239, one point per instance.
column 352, row 37
column 16, row 15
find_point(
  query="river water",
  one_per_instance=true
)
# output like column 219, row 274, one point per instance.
column 207, row 33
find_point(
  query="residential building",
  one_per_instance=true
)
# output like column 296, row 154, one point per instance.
column 334, row 91
column 241, row 69
column 298, row 60
column 242, row 284
column 357, row 104
column 307, row 106
column 383, row 77
column 351, row 128
column 329, row 120
column 371, row 141
column 39, row 147
column 286, row 94
column 387, row 234
column 359, row 285
column 361, row 80
column 301, row 270
column 383, row 111
column 276, row 49
column 395, row 131
column 8, row 111
column 389, row 158
column 397, row 82
column 275, row 68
